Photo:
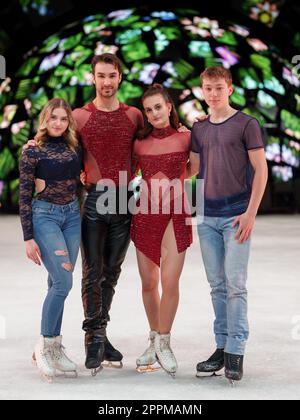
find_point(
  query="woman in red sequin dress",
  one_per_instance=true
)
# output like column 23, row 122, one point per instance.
column 161, row 229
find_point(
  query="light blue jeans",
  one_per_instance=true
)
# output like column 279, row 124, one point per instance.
column 56, row 230
column 226, row 262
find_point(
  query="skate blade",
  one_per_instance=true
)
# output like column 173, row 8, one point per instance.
column 203, row 375
column 231, row 383
column 94, row 371
column 112, row 365
column 47, row 378
column 172, row 374
column 148, row 368
column 33, row 359
column 68, row 374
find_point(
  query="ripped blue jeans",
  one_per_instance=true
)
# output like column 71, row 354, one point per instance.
column 56, row 230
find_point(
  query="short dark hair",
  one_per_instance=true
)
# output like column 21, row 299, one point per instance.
column 216, row 72
column 107, row 58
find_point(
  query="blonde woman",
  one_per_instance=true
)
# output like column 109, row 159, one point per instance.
column 51, row 222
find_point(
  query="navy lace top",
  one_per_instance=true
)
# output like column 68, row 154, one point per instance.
column 58, row 166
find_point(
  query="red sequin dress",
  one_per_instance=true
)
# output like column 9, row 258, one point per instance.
column 162, row 157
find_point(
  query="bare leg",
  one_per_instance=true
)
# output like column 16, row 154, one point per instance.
column 171, row 268
column 149, row 273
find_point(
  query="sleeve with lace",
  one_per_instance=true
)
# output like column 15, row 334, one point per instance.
column 80, row 187
column 80, row 154
column 27, row 167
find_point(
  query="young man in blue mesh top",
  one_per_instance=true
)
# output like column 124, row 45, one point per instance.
column 228, row 154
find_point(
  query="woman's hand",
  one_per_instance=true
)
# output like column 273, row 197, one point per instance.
column 83, row 177
column 33, row 251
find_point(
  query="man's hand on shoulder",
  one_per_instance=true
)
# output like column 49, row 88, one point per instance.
column 30, row 143
column 182, row 128
column 201, row 118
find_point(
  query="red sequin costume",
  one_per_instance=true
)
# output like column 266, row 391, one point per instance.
column 107, row 139
column 161, row 156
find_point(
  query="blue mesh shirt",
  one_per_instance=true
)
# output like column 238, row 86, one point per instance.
column 224, row 162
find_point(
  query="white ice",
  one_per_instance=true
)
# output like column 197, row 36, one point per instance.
column 272, row 360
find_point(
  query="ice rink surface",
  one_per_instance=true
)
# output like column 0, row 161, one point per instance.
column 272, row 360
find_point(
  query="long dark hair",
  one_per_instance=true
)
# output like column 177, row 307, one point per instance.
column 157, row 89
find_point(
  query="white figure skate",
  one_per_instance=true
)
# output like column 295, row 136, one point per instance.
column 60, row 359
column 147, row 362
column 165, row 354
column 42, row 357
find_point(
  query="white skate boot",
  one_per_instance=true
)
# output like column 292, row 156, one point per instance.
column 42, row 357
column 60, row 359
column 147, row 362
column 165, row 354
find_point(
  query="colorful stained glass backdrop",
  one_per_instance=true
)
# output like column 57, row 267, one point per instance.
column 170, row 47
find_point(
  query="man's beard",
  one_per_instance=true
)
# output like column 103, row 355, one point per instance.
column 108, row 93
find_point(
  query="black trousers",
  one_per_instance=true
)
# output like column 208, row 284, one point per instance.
column 105, row 240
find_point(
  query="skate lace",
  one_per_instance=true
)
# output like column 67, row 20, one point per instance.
column 234, row 361
column 47, row 355
column 58, row 351
column 164, row 344
column 166, row 351
column 152, row 343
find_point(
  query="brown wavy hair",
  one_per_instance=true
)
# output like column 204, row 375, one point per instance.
column 70, row 133
column 157, row 89
column 107, row 58
column 216, row 72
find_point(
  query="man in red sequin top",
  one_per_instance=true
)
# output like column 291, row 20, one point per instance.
column 107, row 129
